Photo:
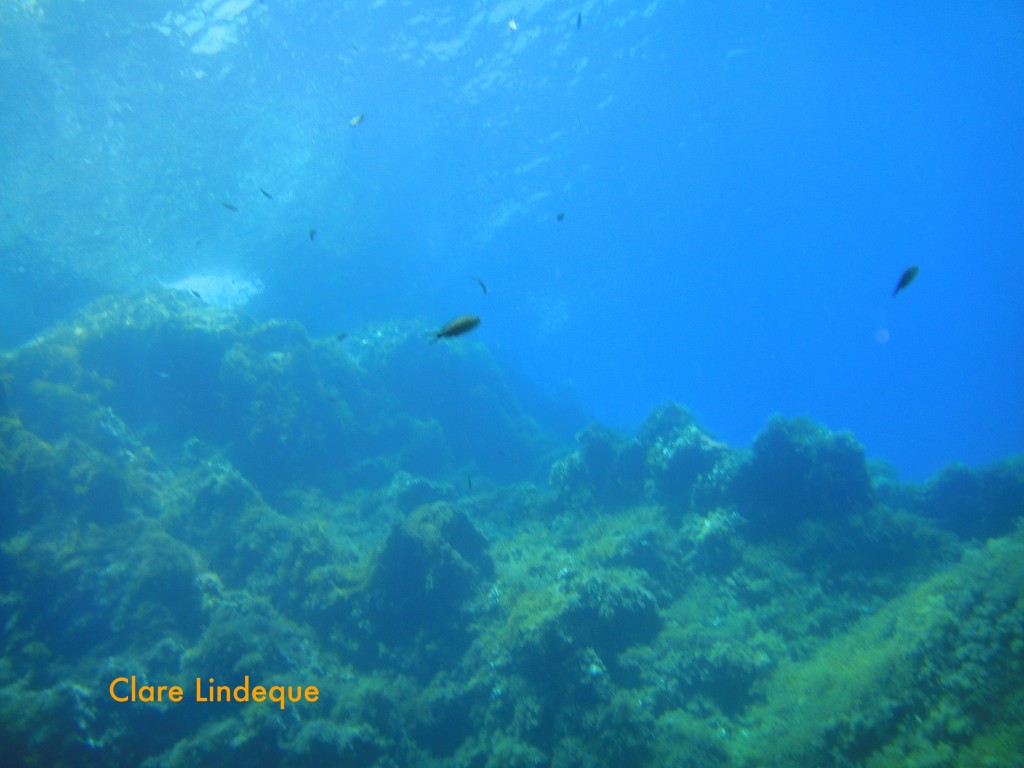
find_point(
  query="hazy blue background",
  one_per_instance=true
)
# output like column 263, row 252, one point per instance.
column 742, row 184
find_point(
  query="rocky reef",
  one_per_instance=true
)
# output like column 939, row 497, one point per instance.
column 191, row 495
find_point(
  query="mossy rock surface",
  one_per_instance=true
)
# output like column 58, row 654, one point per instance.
column 799, row 471
column 190, row 492
column 427, row 569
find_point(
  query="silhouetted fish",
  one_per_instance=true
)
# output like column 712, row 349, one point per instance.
column 457, row 327
column 560, row 216
column 266, row 194
column 482, row 284
column 312, row 234
column 230, row 206
column 905, row 279
column 579, row 20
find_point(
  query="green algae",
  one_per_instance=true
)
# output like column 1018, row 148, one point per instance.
column 278, row 507
column 914, row 683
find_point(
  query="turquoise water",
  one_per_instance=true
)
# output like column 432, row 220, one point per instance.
column 699, row 489
column 740, row 186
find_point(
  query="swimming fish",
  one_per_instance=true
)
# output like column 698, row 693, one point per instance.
column 195, row 293
column 579, row 20
column 512, row 25
column 312, row 234
column 357, row 119
column 905, row 279
column 482, row 284
column 457, row 327
column 266, row 194
column 560, row 216
column 230, row 206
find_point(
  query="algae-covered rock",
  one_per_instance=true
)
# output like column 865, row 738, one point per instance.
column 976, row 503
column 191, row 493
column 101, row 589
column 606, row 470
column 679, row 454
column 161, row 369
column 636, row 539
column 931, row 679
column 68, row 478
column 558, row 680
column 286, row 407
column 455, row 392
column 430, row 565
column 715, row 546
column 800, row 471
column 591, row 614
column 670, row 457
column 410, row 492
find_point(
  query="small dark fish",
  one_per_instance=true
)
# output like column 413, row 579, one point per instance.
column 457, row 327
column 481, row 283
column 230, row 206
column 341, row 336
column 266, row 194
column 905, row 279
column 312, row 234
column 560, row 216
column 195, row 293
column 579, row 20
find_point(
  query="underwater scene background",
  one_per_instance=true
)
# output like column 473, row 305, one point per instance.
column 728, row 475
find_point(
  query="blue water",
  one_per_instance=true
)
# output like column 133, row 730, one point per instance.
column 742, row 185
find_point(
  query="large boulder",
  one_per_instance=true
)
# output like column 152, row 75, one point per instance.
column 429, row 566
column 976, row 503
column 799, row 471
